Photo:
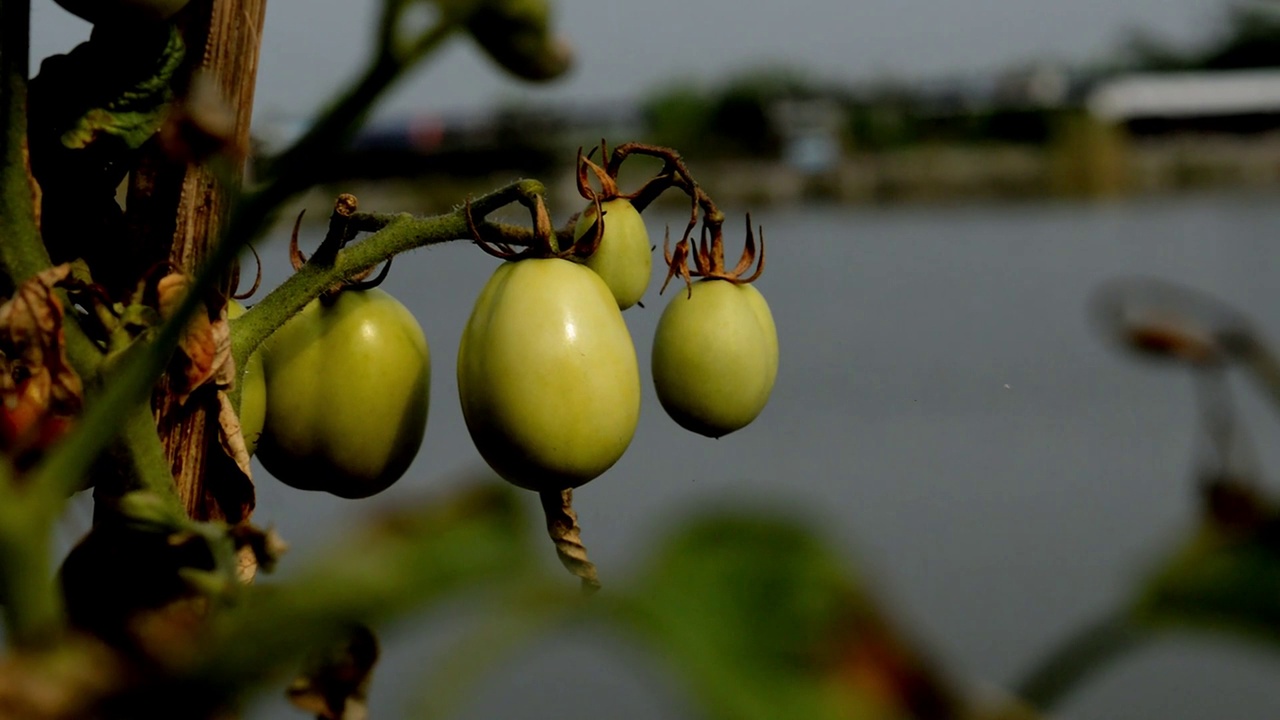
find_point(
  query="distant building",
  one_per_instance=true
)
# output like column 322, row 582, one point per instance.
column 811, row 131
column 1236, row 102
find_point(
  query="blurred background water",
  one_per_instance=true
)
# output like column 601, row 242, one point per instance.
column 944, row 413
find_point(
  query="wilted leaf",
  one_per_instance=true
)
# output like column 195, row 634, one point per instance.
column 767, row 623
column 205, row 345
column 39, row 390
column 231, row 482
column 335, row 684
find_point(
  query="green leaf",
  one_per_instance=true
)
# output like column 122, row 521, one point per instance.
column 406, row 560
column 1221, row 580
column 132, row 113
column 766, row 622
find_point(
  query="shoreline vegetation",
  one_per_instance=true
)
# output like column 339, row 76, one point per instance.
column 1156, row 118
column 1091, row 163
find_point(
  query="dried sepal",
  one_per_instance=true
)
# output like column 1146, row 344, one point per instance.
column 362, row 281
column 296, row 258
column 257, row 277
column 608, row 183
column 500, row 251
column 677, row 261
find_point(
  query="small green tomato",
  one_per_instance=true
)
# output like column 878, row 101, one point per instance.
column 547, row 375
column 715, row 357
column 624, row 259
column 348, row 386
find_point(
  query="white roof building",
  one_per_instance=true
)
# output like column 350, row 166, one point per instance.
column 1187, row 95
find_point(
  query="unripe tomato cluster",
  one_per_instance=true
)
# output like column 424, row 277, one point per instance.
column 548, row 377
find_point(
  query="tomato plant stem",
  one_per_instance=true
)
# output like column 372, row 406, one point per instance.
column 32, row 608
column 1078, row 658
column 394, row 234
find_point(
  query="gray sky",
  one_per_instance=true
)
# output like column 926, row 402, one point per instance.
column 625, row 48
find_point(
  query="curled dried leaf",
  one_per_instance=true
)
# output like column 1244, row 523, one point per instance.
column 205, row 345
column 40, row 392
column 230, row 480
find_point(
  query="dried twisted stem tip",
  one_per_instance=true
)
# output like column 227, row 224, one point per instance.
column 562, row 526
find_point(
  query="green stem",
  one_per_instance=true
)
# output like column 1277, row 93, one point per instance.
column 1075, row 660
column 398, row 234
column 297, row 167
column 151, row 468
column 1261, row 363
column 21, row 253
column 32, row 607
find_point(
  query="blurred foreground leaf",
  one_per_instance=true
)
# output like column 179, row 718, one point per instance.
column 409, row 559
column 763, row 621
column 335, row 685
column 1223, row 580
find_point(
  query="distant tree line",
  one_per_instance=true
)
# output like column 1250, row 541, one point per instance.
column 1248, row 37
column 734, row 119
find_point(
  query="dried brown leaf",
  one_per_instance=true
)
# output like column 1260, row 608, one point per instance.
column 230, row 437
column 205, row 345
column 39, row 390
column 231, row 482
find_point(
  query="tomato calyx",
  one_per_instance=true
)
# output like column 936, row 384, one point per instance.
column 708, row 257
column 708, row 254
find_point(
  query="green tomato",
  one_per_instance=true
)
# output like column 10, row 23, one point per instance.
column 348, row 384
column 547, row 375
column 251, row 379
column 96, row 11
column 624, row 259
column 715, row 357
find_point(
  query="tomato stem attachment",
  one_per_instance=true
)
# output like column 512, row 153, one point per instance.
column 562, row 526
column 544, row 241
column 341, row 231
column 708, row 254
